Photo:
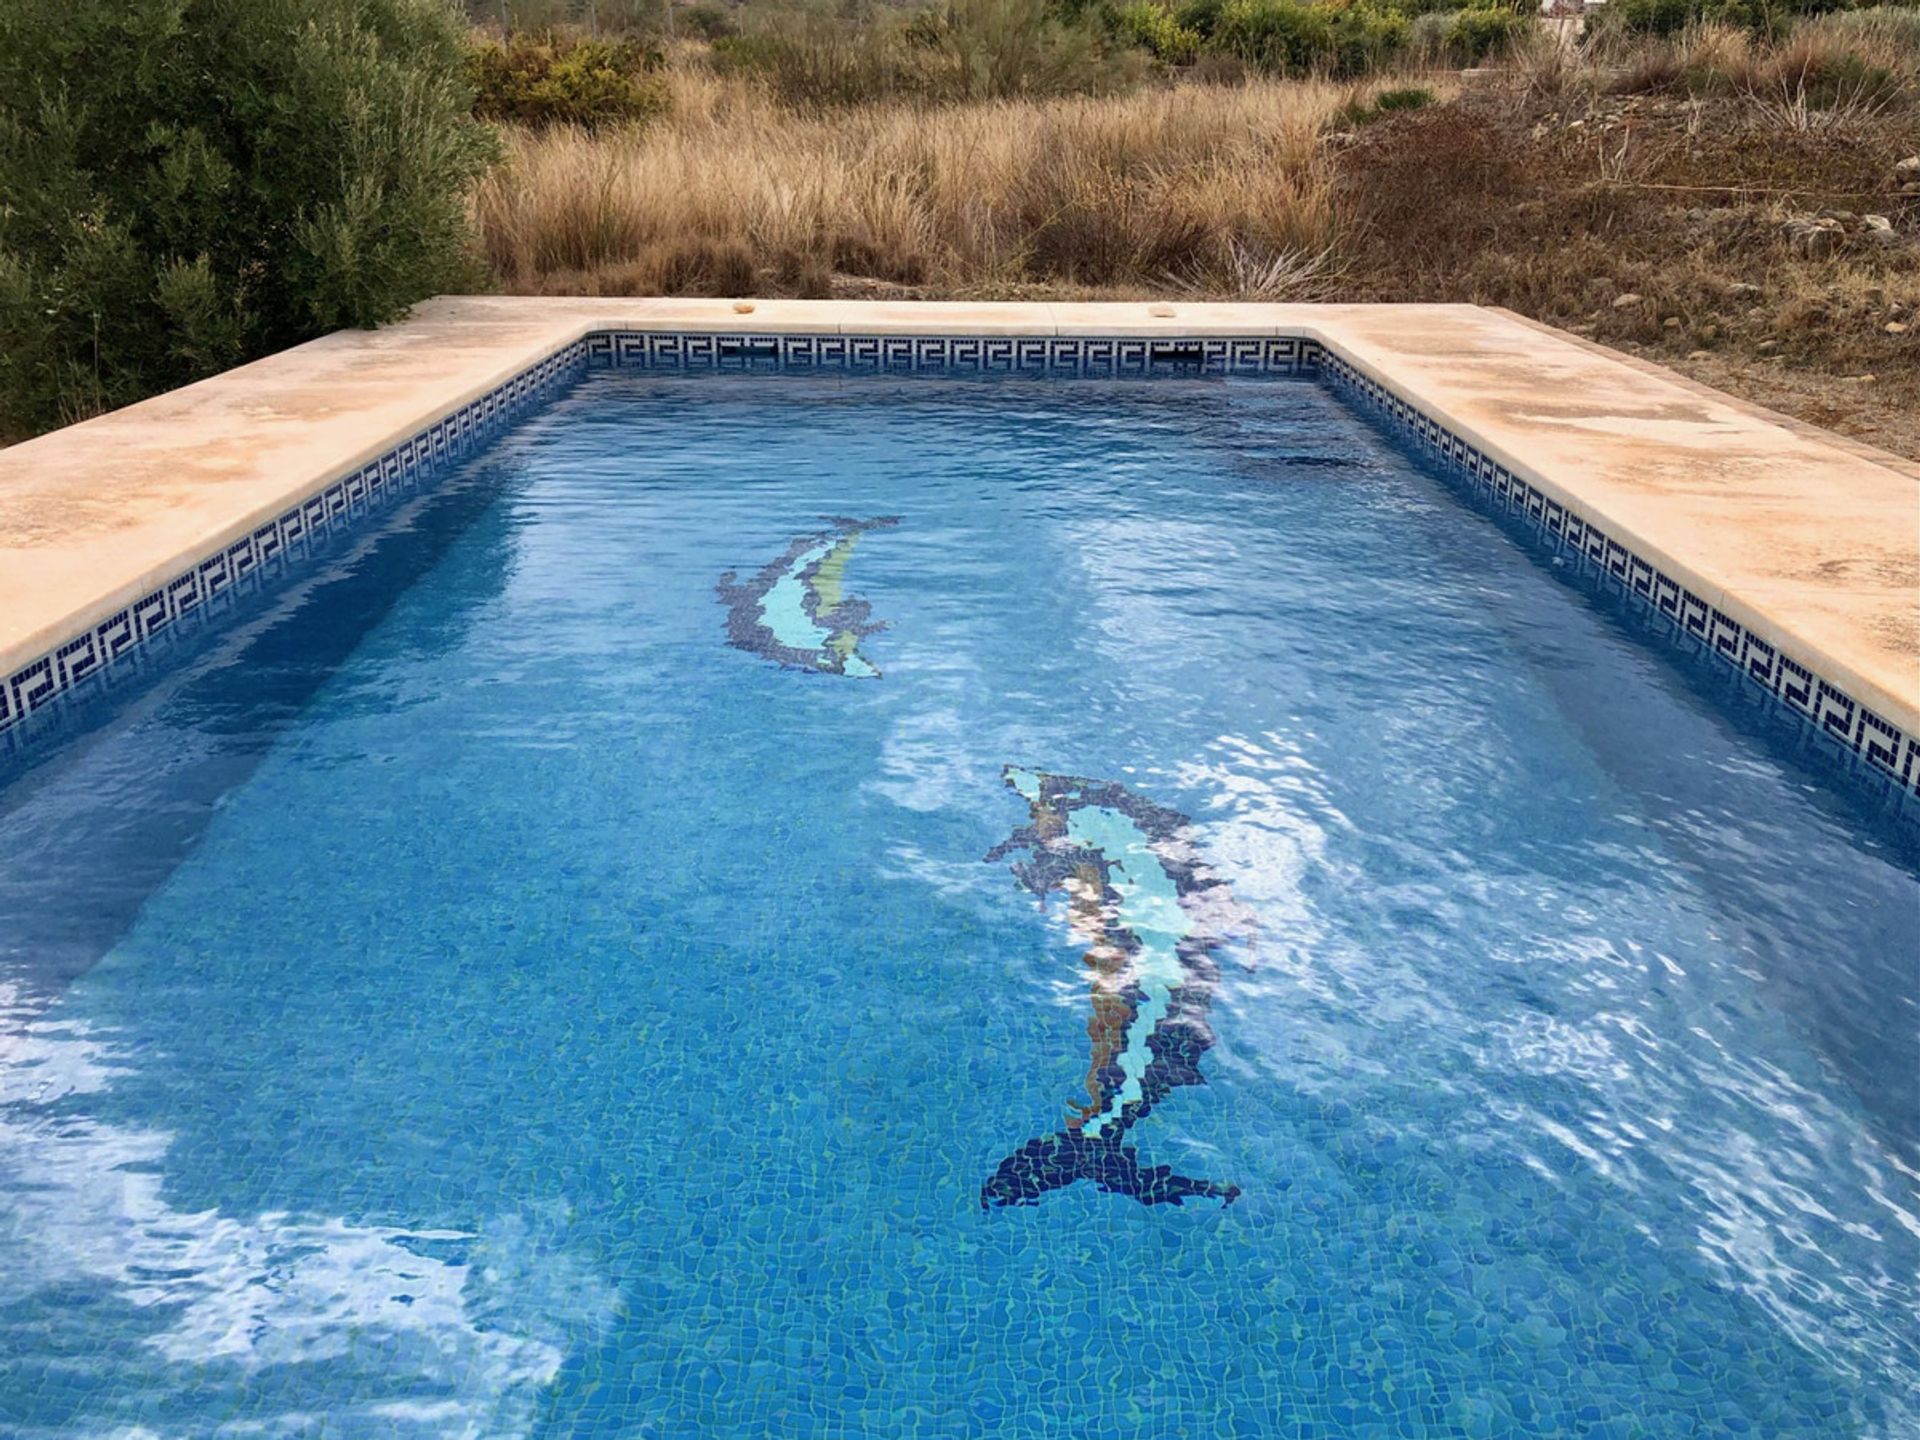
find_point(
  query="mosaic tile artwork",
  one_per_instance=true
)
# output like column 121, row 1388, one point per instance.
column 797, row 610
column 1152, row 918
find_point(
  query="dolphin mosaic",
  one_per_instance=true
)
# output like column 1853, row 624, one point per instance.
column 1153, row 918
column 796, row 610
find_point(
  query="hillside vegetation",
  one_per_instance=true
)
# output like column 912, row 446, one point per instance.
column 1731, row 187
column 188, row 184
column 1719, row 188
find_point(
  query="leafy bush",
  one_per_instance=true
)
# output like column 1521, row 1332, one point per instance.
column 1153, row 28
column 1281, row 35
column 811, row 57
column 1414, row 9
column 1427, row 38
column 1202, row 17
column 961, row 50
column 1652, row 17
column 1272, row 34
column 567, row 80
column 709, row 21
column 546, row 16
column 1366, row 39
column 191, row 183
column 1669, row 17
column 1473, row 35
column 991, row 49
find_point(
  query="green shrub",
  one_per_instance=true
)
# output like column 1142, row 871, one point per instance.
column 566, row 80
column 629, row 17
column 545, row 16
column 1669, row 17
column 1366, row 39
column 1153, row 28
column 1202, row 17
column 1273, row 34
column 1408, row 97
column 1387, row 102
column 960, row 50
column 1281, row 35
column 1414, row 9
column 709, row 21
column 1652, row 17
column 812, row 57
column 1427, row 38
column 1474, row 35
column 990, row 49
column 185, row 184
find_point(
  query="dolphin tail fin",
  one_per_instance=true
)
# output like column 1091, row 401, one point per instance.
column 1053, row 1162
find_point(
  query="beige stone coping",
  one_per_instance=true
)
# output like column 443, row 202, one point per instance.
column 1811, row 541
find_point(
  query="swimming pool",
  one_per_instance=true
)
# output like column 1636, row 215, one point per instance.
column 673, row 932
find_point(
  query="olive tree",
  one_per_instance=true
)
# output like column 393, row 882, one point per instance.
column 187, row 184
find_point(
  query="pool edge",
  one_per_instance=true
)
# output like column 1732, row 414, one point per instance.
column 516, row 350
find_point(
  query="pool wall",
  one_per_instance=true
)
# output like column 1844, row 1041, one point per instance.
column 229, row 484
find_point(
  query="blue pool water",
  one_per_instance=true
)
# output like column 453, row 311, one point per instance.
column 485, row 991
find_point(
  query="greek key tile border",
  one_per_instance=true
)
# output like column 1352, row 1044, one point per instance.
column 954, row 354
column 213, row 582
column 1791, row 683
column 123, row 642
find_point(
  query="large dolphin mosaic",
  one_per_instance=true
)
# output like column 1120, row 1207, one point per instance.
column 1153, row 919
column 797, row 612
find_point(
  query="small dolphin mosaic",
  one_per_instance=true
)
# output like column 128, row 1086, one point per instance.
column 1153, row 918
column 797, row 612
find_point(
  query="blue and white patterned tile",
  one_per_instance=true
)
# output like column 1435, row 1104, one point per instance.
column 278, row 545
column 952, row 354
column 98, row 656
column 1826, row 709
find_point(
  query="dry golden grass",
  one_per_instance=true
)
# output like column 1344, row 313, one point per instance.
column 1212, row 187
column 1583, row 173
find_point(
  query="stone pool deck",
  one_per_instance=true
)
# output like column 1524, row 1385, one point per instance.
column 1809, row 540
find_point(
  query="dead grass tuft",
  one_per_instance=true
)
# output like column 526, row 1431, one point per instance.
column 1838, row 73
